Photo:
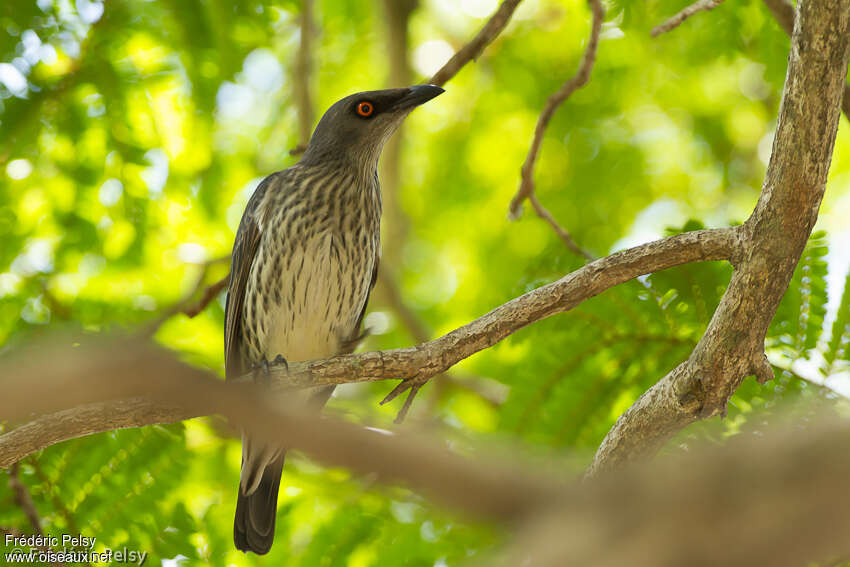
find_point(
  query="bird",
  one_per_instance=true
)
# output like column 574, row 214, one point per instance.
column 305, row 259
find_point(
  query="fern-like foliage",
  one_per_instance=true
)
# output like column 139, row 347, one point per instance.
column 837, row 352
column 611, row 349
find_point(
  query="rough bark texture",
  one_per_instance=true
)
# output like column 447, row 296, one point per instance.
column 784, row 14
column 414, row 363
column 773, row 238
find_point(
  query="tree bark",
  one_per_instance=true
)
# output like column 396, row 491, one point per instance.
column 774, row 237
column 417, row 363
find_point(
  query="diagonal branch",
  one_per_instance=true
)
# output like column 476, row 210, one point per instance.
column 526, row 187
column 676, row 21
column 24, row 500
column 494, row 26
column 416, row 364
column 189, row 306
column 562, row 233
column 774, row 238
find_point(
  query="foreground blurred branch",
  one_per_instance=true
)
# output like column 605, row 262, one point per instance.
column 755, row 493
column 415, row 364
column 526, row 187
column 780, row 500
column 154, row 377
column 773, row 239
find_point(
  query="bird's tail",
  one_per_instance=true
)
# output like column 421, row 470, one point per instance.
column 256, row 503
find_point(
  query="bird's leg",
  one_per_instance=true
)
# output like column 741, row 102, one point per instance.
column 266, row 366
column 279, row 360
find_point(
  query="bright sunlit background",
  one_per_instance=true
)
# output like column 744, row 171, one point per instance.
column 133, row 133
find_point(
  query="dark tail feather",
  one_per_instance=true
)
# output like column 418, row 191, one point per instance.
column 253, row 528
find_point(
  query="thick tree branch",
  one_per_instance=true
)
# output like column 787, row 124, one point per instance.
column 762, row 488
column 677, row 20
column 526, row 187
column 416, row 364
column 494, row 26
column 88, row 374
column 780, row 501
column 783, row 12
column 774, row 237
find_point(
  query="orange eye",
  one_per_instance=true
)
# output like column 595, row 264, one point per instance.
column 365, row 109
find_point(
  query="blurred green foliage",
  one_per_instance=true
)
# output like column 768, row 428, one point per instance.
column 132, row 135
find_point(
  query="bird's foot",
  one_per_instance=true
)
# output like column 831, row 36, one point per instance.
column 262, row 370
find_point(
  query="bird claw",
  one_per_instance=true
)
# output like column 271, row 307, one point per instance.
column 265, row 366
column 278, row 360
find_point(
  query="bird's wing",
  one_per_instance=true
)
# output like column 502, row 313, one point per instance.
column 348, row 345
column 244, row 251
column 368, row 292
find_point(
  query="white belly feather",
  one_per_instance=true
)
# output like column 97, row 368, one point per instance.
column 313, row 326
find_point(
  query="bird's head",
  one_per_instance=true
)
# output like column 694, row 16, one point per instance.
column 355, row 128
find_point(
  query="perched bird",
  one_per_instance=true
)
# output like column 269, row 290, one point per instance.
column 304, row 262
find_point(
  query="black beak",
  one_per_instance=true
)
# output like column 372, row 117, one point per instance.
column 416, row 95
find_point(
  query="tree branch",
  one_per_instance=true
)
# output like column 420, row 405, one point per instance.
column 24, row 500
column 664, row 515
column 303, row 73
column 494, row 26
column 581, row 77
column 87, row 375
column 394, row 220
column 416, row 364
column 780, row 500
column 677, row 20
column 783, row 12
column 562, row 233
column 188, row 305
column 389, row 293
column 773, row 240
